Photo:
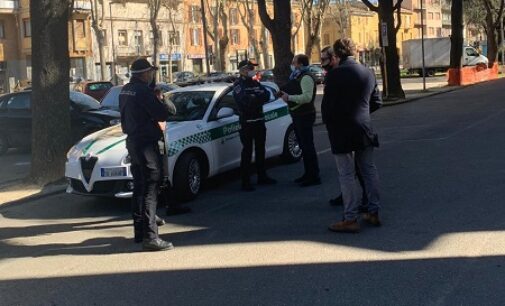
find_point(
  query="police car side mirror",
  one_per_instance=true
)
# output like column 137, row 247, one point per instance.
column 225, row 112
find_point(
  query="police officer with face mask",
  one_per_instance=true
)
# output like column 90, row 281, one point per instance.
column 141, row 110
column 250, row 96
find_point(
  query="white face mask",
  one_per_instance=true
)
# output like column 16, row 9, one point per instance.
column 293, row 68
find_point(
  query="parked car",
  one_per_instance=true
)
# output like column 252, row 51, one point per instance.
column 111, row 99
column 16, row 118
column 266, row 75
column 202, row 141
column 96, row 90
column 184, row 78
column 317, row 73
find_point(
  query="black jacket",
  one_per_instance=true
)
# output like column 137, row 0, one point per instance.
column 250, row 96
column 350, row 95
column 141, row 111
column 293, row 87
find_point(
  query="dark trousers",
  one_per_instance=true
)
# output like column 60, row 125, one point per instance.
column 252, row 133
column 146, row 171
column 303, row 125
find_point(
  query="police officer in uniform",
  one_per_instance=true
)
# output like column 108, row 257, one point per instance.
column 141, row 110
column 250, row 96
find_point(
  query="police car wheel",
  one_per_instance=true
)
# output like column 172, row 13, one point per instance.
column 292, row 151
column 188, row 176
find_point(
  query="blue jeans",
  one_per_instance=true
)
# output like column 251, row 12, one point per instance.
column 350, row 190
column 303, row 126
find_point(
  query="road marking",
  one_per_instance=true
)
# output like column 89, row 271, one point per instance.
column 23, row 164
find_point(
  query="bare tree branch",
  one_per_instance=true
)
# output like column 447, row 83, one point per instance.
column 371, row 6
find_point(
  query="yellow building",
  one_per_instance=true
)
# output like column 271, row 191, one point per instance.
column 355, row 20
column 16, row 47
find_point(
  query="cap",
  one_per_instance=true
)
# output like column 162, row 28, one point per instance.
column 248, row 63
column 142, row 65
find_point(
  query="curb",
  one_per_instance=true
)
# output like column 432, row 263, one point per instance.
column 43, row 194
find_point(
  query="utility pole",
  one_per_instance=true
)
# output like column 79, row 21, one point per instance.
column 422, row 45
column 113, row 63
column 502, row 44
column 204, row 21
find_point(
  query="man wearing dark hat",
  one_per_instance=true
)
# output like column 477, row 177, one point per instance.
column 250, row 96
column 141, row 110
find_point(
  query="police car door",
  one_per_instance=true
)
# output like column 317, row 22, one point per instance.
column 276, row 113
column 225, row 133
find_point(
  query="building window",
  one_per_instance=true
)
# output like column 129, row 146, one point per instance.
column 80, row 28
column 27, row 26
column 437, row 16
column 160, row 38
column 2, row 30
column 195, row 14
column 439, row 32
column 122, row 37
column 174, row 38
column 235, row 36
column 431, row 31
column 195, row 37
column 233, row 16
column 138, row 38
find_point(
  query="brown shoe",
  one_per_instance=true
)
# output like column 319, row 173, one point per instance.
column 372, row 219
column 345, row 226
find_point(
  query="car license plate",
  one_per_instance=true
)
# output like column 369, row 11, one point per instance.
column 116, row 171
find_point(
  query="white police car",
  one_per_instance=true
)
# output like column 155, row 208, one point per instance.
column 203, row 140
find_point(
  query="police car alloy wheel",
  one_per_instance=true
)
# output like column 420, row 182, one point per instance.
column 292, row 151
column 188, row 176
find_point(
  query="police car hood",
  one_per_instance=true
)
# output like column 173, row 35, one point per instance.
column 107, row 140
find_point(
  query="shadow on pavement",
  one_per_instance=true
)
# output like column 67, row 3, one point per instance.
column 444, row 281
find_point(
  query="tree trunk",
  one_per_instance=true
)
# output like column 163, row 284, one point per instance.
column 51, row 136
column 457, row 33
column 492, row 45
column 156, row 47
column 264, row 48
column 280, row 29
column 224, row 40
column 392, row 89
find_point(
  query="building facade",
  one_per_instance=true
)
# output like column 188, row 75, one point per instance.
column 16, row 47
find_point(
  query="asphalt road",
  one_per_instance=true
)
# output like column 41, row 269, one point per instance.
column 443, row 240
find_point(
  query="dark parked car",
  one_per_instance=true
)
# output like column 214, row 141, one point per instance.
column 317, row 72
column 86, row 117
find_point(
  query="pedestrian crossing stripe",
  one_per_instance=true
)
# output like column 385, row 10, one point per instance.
column 175, row 147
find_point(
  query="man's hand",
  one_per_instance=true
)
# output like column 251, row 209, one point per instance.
column 285, row 97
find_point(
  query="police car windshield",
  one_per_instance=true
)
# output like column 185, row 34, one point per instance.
column 190, row 105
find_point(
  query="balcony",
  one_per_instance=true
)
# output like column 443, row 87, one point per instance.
column 8, row 6
column 446, row 23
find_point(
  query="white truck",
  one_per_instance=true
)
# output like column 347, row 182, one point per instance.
column 437, row 56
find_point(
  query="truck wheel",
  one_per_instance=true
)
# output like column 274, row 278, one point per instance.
column 292, row 151
column 188, row 176
column 430, row 72
column 4, row 145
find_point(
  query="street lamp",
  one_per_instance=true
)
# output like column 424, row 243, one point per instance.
column 113, row 63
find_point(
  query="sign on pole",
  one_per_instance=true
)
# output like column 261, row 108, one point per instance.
column 384, row 34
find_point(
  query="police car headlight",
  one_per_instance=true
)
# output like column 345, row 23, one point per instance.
column 73, row 153
column 115, row 121
column 126, row 160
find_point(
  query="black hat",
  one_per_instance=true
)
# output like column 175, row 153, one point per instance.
column 249, row 63
column 141, row 65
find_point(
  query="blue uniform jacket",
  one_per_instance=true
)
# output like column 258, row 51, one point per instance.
column 141, row 111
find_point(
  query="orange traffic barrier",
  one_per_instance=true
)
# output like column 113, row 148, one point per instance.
column 471, row 74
